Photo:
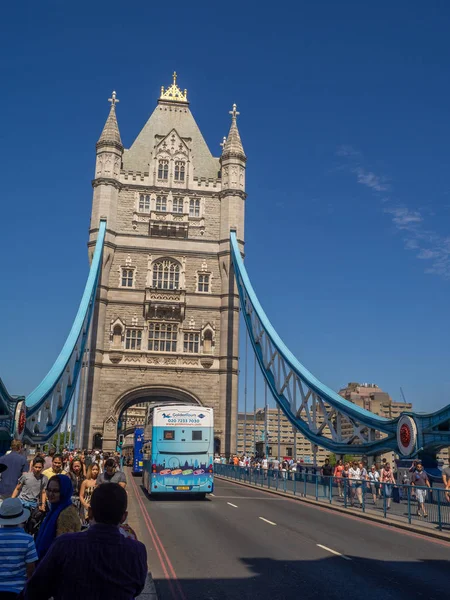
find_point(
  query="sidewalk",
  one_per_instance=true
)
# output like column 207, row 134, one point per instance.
column 398, row 516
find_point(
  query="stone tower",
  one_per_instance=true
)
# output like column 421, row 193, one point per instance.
column 165, row 326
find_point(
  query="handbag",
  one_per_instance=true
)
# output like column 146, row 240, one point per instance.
column 36, row 516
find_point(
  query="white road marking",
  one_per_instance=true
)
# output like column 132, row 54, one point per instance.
column 267, row 521
column 334, row 552
column 212, row 495
column 233, row 505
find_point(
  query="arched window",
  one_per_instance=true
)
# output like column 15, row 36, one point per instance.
column 166, row 275
column 207, row 342
column 179, row 170
column 163, row 169
column 117, row 335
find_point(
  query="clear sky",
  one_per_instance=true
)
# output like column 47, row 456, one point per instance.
column 344, row 119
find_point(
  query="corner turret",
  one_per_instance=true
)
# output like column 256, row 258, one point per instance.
column 109, row 149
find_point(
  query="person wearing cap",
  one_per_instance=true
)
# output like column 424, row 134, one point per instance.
column 18, row 563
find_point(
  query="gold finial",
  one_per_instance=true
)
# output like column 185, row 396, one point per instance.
column 234, row 113
column 113, row 99
column 173, row 93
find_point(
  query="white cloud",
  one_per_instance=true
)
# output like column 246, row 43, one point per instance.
column 403, row 217
column 371, row 180
column 347, row 150
column 426, row 254
column 430, row 246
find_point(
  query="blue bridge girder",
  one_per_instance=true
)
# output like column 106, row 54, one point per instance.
column 317, row 411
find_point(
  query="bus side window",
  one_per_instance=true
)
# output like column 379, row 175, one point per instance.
column 196, row 436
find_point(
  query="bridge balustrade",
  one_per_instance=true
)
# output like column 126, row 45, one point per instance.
column 399, row 502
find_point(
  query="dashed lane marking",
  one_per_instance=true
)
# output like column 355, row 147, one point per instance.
column 334, row 552
column 267, row 521
column 213, row 495
column 233, row 505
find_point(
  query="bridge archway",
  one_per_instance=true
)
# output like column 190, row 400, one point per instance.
column 153, row 395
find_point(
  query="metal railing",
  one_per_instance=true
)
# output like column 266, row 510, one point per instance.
column 393, row 501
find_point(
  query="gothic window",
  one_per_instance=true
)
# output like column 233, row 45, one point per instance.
column 162, row 337
column 161, row 203
column 194, row 207
column 179, row 170
column 166, row 275
column 144, row 203
column 203, row 282
column 117, row 336
column 133, row 339
column 127, row 277
column 163, row 169
column 177, row 205
column 207, row 342
column 191, row 342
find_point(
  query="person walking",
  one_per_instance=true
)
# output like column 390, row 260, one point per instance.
column 387, row 482
column 49, row 458
column 446, row 480
column 374, row 479
column 420, row 482
column 97, row 563
column 76, row 476
column 326, row 472
column 16, row 465
column 87, row 488
column 19, row 557
column 56, row 468
column 111, row 474
column 30, row 488
column 63, row 516
column 338, row 476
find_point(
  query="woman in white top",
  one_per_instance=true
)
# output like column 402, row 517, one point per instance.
column 374, row 478
column 355, row 483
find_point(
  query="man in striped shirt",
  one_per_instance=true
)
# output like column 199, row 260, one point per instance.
column 17, row 550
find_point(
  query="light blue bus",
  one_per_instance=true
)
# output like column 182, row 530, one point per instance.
column 181, row 451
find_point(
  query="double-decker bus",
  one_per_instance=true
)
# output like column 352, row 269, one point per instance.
column 181, row 450
column 138, row 449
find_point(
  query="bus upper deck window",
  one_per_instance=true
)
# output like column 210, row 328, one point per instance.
column 169, row 434
column 196, row 436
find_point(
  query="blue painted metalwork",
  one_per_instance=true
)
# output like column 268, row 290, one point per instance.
column 48, row 402
column 319, row 413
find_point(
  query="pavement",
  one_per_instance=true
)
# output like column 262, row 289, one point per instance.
column 243, row 543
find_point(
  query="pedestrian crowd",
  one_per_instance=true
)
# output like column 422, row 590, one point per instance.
column 353, row 479
column 62, row 529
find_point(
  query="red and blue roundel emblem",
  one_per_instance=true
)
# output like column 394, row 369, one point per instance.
column 406, row 435
column 20, row 420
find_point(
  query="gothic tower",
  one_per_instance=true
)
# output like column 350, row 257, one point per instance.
column 166, row 320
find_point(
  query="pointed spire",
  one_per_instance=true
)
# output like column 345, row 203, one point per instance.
column 233, row 145
column 110, row 134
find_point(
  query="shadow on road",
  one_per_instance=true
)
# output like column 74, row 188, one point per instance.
column 328, row 578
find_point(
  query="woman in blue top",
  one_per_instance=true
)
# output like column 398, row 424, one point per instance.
column 63, row 516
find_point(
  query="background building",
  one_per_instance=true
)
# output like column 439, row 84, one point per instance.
column 304, row 449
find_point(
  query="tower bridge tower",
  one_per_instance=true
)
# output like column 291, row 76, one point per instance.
column 166, row 321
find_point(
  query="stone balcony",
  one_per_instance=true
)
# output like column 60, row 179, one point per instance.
column 167, row 305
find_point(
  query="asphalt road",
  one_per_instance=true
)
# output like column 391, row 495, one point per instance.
column 243, row 544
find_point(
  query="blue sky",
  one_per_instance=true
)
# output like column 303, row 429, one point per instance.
column 345, row 122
